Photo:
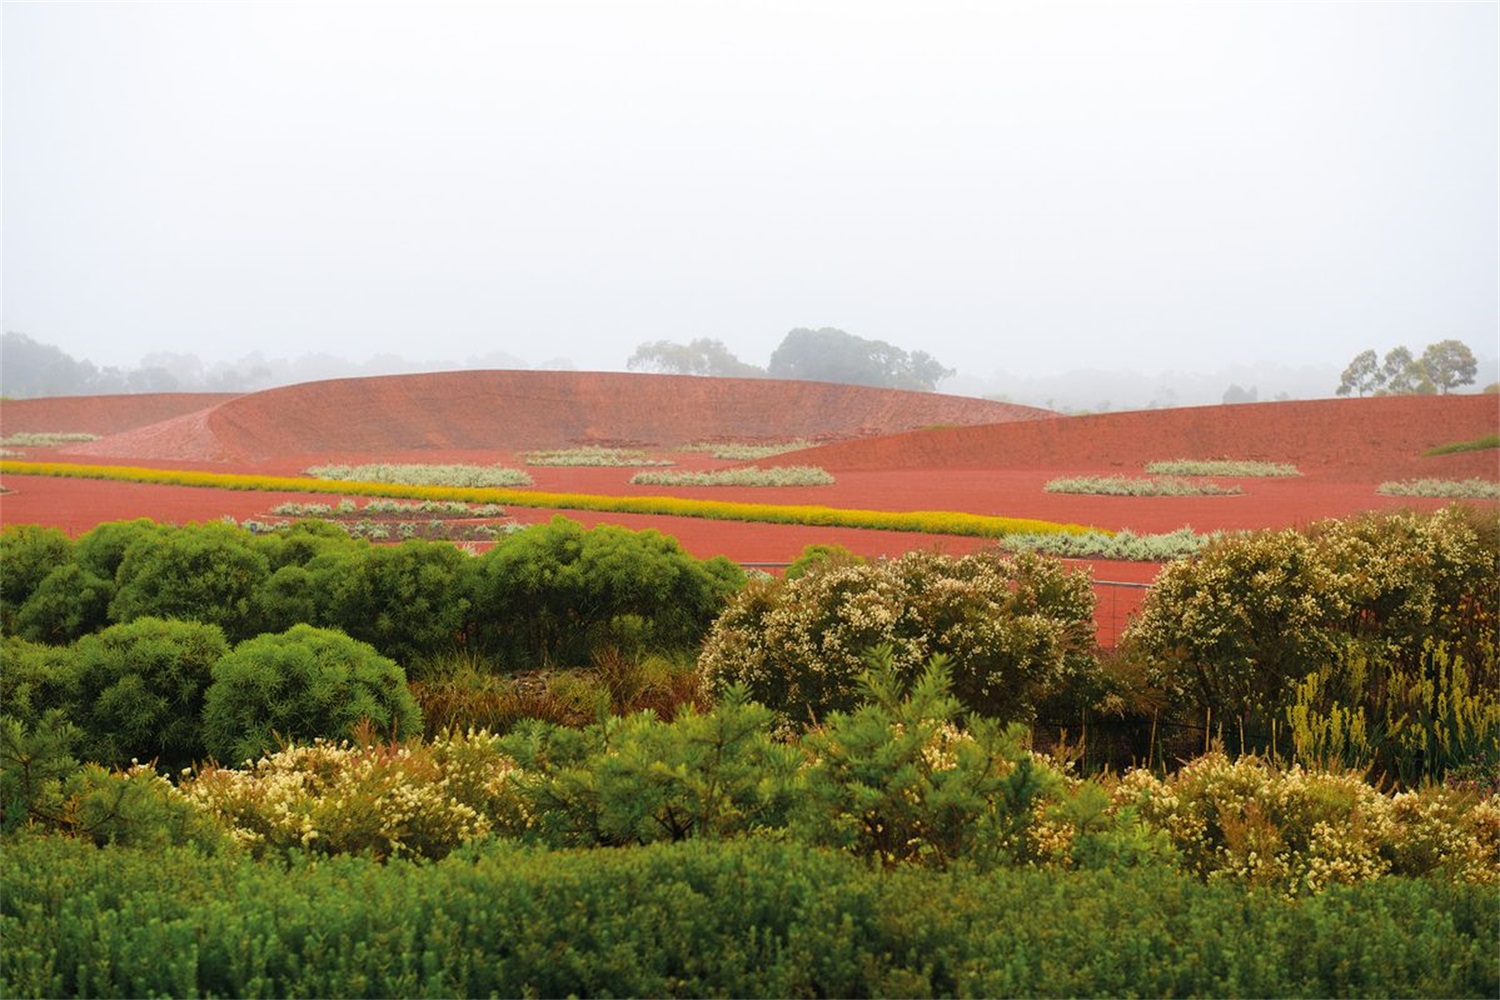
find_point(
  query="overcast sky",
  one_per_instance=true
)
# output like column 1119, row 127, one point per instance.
column 1026, row 187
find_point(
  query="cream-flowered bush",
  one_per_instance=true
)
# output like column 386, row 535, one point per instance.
column 385, row 800
column 1298, row 831
column 1014, row 629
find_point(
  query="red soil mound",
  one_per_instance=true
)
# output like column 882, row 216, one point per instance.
column 526, row 409
column 101, row 414
column 1340, row 439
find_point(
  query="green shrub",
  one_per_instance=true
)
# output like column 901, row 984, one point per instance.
column 102, row 548
column 140, row 690
column 1410, row 721
column 1229, row 631
column 637, row 780
column 816, row 555
column 203, row 572
column 36, row 759
column 35, row 678
column 555, row 593
column 1015, row 630
column 702, row 918
column 29, row 553
column 1231, row 634
column 299, row 685
column 895, row 781
column 408, row 600
column 70, row 602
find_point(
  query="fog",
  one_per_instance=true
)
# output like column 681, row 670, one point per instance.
column 1018, row 189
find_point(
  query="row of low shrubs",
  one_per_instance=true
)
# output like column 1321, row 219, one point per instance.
column 925, row 522
column 424, row 508
column 424, row 474
column 1124, row 486
column 445, row 529
column 1123, row 546
column 776, row 475
column 745, row 452
column 1459, row 489
column 746, row 919
column 593, row 456
column 46, row 439
column 1220, row 467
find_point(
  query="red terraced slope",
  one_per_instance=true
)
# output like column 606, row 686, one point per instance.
column 101, row 414
column 1356, row 438
column 525, row 409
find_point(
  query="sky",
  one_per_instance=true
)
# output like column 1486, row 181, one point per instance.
column 1012, row 187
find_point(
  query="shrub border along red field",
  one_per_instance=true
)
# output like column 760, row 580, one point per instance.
column 933, row 522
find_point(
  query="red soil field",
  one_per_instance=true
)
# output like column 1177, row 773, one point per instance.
column 101, row 414
column 527, row 409
column 976, row 456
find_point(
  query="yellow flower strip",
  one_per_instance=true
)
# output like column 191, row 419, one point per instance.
column 929, row 522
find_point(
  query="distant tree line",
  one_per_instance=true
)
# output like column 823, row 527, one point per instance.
column 29, row 368
column 1441, row 368
column 823, row 355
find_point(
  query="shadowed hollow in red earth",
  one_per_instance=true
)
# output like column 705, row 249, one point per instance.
column 889, row 450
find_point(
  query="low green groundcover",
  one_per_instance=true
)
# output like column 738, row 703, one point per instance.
column 745, row 918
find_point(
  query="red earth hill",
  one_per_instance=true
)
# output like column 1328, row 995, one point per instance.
column 1354, row 439
column 101, row 414
column 515, row 410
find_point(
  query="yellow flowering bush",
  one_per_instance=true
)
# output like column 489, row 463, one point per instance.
column 1297, row 831
column 385, row 800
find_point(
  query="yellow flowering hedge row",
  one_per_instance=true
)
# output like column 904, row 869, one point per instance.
column 931, row 522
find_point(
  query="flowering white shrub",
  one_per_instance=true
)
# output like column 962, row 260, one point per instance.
column 382, row 799
column 1298, row 831
column 1014, row 629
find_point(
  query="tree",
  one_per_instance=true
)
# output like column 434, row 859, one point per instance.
column 699, row 357
column 831, row 355
column 1402, row 373
column 1363, row 375
column 1449, row 364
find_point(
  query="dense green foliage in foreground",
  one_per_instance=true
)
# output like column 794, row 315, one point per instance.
column 747, row 918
